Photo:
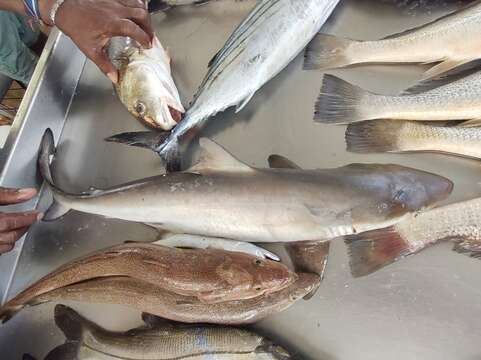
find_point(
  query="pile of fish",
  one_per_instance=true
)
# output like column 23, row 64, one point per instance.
column 439, row 114
column 205, row 267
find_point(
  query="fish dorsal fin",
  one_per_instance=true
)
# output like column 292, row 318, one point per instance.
column 214, row 157
column 281, row 162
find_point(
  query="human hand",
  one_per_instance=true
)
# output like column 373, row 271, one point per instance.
column 92, row 23
column 14, row 225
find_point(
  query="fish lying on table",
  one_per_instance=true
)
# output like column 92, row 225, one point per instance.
column 268, row 39
column 158, row 340
column 143, row 296
column 447, row 43
column 342, row 103
column 413, row 136
column 209, row 275
column 459, row 222
column 145, row 85
column 222, row 197
column 409, row 136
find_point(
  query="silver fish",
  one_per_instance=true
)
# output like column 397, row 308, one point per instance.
column 222, row 197
column 159, row 340
column 341, row 102
column 413, row 136
column 460, row 222
column 448, row 42
column 203, row 242
column 145, row 85
column 145, row 297
column 269, row 38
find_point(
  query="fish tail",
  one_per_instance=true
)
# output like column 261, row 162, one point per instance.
column 339, row 102
column 375, row 136
column 160, row 142
column 72, row 324
column 47, row 149
column 373, row 250
column 327, row 52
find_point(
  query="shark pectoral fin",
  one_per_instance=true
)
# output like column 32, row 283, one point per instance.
column 281, row 162
column 214, row 157
column 311, row 257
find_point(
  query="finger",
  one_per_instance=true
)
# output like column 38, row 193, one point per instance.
column 6, row 248
column 13, row 221
column 11, row 237
column 14, row 196
column 134, row 3
column 142, row 18
column 100, row 58
column 128, row 28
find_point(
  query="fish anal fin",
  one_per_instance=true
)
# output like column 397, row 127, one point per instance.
column 443, row 67
column 470, row 123
column 214, row 157
column 244, row 102
column 281, row 162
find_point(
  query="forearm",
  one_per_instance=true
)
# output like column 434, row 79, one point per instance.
column 12, row 5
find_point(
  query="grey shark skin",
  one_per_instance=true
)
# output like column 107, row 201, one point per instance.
column 222, row 197
column 159, row 339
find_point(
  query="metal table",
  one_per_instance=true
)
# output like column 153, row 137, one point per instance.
column 425, row 307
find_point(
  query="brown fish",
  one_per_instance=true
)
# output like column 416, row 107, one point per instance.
column 210, row 275
column 145, row 297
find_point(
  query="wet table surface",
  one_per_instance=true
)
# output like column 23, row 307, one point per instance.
column 424, row 307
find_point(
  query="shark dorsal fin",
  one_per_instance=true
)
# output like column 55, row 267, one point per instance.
column 281, row 162
column 214, row 157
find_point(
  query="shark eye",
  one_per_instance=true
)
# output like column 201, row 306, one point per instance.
column 140, row 108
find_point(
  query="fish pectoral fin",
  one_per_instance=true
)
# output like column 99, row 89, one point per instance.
column 443, row 67
column 281, row 162
column 244, row 102
column 214, row 157
column 470, row 123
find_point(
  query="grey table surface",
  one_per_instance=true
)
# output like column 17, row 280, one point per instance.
column 424, row 307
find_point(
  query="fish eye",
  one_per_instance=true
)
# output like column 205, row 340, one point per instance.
column 258, row 262
column 258, row 288
column 140, row 108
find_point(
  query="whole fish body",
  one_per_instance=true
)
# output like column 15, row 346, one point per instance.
column 409, row 136
column 210, row 275
column 145, row 85
column 341, row 102
column 450, row 41
column 268, row 39
column 160, row 340
column 146, row 297
column 460, row 222
column 222, row 197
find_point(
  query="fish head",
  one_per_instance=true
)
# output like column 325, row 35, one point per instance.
column 159, row 112
column 305, row 284
column 269, row 276
column 148, row 91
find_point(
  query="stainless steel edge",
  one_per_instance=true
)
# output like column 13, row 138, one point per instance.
column 45, row 105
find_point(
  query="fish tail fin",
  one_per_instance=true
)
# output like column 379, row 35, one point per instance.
column 373, row 250
column 158, row 142
column 469, row 247
column 8, row 311
column 69, row 350
column 339, row 102
column 72, row 324
column 327, row 52
column 374, row 136
column 47, row 149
